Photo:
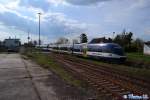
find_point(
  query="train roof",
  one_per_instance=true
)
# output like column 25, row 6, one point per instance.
column 104, row 44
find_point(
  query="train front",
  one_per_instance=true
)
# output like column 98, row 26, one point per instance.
column 117, row 52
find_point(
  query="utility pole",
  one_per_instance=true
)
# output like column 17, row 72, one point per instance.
column 39, row 29
column 113, row 35
column 28, row 37
column 72, row 46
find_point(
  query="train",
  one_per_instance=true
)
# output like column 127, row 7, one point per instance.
column 103, row 51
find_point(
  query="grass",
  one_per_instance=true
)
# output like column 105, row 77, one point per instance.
column 138, row 56
column 127, row 70
column 46, row 61
column 138, row 60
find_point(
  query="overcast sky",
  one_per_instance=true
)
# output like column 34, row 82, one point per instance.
column 70, row 18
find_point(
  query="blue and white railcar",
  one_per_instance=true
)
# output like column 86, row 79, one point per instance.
column 77, row 49
column 65, row 48
column 108, row 51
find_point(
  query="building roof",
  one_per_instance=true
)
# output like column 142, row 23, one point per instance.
column 12, row 39
column 101, row 40
column 147, row 43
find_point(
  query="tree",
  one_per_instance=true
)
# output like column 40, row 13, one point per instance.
column 138, row 44
column 83, row 38
column 124, row 39
column 35, row 42
column 118, row 39
column 62, row 40
column 0, row 43
column 128, row 39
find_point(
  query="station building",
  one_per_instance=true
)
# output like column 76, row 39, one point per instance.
column 12, row 44
column 146, row 49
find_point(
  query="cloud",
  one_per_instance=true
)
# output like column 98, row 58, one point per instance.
column 59, row 24
column 42, row 4
column 147, row 31
column 140, row 4
column 85, row 2
column 76, row 2
column 58, row 20
column 53, row 25
column 57, row 2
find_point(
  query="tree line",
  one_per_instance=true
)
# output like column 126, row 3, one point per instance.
column 125, row 39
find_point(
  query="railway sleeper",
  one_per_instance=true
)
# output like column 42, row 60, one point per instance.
column 109, row 94
column 91, row 75
column 94, row 77
column 96, row 80
column 100, row 88
column 130, row 87
column 101, row 80
column 104, row 83
column 109, row 85
column 114, row 87
column 91, row 83
column 125, row 93
column 96, row 85
column 117, row 90
column 106, row 91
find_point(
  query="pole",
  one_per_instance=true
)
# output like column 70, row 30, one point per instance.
column 28, row 37
column 39, row 29
column 113, row 35
column 72, row 47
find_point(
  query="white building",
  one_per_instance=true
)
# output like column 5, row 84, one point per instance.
column 146, row 48
column 12, row 44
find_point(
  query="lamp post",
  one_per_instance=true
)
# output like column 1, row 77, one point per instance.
column 28, row 37
column 113, row 35
column 39, row 28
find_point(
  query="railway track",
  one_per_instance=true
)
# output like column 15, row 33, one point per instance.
column 107, row 82
column 115, row 73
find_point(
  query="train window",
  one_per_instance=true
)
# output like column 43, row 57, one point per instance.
column 76, row 50
column 91, row 48
column 106, row 49
column 117, row 50
column 64, row 48
column 99, row 49
column 55, row 48
column 94, row 48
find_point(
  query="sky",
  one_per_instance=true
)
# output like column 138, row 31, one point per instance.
column 70, row 18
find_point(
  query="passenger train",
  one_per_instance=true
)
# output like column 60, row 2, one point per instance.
column 105, row 51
